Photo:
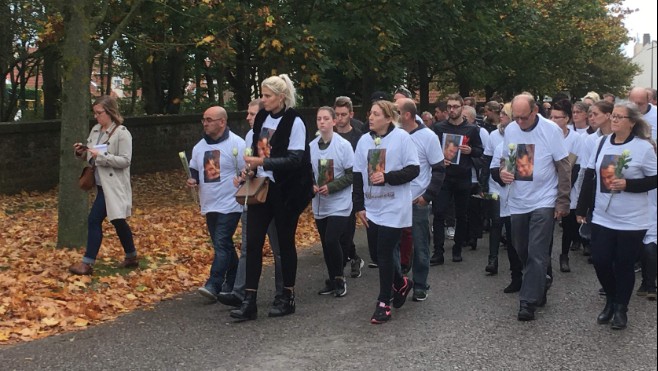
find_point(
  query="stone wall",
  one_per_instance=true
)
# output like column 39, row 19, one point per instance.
column 29, row 150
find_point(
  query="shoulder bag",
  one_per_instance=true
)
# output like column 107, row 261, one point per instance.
column 87, row 180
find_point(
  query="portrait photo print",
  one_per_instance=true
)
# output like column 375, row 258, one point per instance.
column 525, row 162
column 451, row 151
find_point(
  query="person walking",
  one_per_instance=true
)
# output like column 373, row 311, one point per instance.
column 109, row 150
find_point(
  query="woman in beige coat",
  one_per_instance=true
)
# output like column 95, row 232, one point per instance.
column 109, row 149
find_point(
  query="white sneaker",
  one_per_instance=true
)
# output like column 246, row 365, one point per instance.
column 450, row 233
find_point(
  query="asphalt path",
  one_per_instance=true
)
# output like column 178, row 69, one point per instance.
column 467, row 323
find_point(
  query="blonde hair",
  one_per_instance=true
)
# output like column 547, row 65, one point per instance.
column 111, row 107
column 507, row 109
column 282, row 85
column 388, row 109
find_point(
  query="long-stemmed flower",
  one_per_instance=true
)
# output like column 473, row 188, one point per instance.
column 622, row 163
column 247, row 152
column 235, row 161
column 373, row 164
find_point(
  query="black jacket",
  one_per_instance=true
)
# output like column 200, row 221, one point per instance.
column 466, row 162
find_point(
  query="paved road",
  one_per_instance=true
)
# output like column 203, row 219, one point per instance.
column 467, row 323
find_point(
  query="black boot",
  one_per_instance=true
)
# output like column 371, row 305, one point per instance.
column 492, row 265
column 437, row 258
column 619, row 318
column 514, row 286
column 648, row 259
column 564, row 263
column 248, row 310
column 284, row 306
column 606, row 315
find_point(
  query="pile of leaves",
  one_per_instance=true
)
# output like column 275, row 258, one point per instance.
column 41, row 298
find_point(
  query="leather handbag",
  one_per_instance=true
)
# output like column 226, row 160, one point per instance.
column 87, row 180
column 254, row 190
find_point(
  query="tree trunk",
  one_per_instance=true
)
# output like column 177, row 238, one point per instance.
column 110, row 70
column 52, row 82
column 152, row 87
column 75, row 49
column 176, row 67
column 424, row 85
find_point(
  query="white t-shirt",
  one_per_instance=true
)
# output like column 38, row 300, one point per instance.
column 574, row 143
column 623, row 211
column 429, row 153
column 217, row 166
column 651, row 233
column 297, row 140
column 503, row 192
column 495, row 138
column 328, row 164
column 535, row 185
column 650, row 117
column 386, row 205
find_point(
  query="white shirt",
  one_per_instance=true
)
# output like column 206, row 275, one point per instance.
column 651, row 233
column 216, row 189
column 386, row 205
column 503, row 192
column 484, row 137
column 540, row 189
column 337, row 157
column 495, row 138
column 650, row 117
column 297, row 139
column 429, row 153
column 574, row 143
column 625, row 210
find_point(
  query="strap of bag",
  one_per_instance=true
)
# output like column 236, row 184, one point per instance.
column 596, row 159
column 598, row 151
column 111, row 132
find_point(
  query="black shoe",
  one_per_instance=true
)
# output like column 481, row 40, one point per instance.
column 248, row 310
column 285, row 306
column 514, row 286
column 457, row 259
column 651, row 294
column 586, row 250
column 492, row 266
column 564, row 263
column 328, row 289
column 590, row 260
column 642, row 290
column 229, row 299
column 436, row 259
column 619, row 317
column 575, row 246
column 457, row 253
column 340, row 287
column 355, row 267
column 400, row 294
column 419, row 295
column 526, row 312
column 606, row 315
column 382, row 313
column 473, row 244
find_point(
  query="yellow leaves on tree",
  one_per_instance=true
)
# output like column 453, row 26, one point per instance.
column 41, row 298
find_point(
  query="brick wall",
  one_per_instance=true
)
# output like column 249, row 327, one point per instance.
column 29, row 150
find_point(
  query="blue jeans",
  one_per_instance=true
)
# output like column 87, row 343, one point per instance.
column 225, row 263
column 420, row 232
column 97, row 214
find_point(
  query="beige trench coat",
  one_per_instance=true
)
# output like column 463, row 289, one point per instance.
column 113, row 169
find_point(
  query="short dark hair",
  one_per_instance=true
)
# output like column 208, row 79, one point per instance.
column 565, row 106
column 343, row 101
column 456, row 97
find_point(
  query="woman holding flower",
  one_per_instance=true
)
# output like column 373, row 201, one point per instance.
column 382, row 199
column 216, row 195
column 286, row 163
column 332, row 159
column 619, row 217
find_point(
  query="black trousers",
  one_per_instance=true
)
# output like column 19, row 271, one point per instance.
column 458, row 190
column 383, row 240
column 347, row 239
column 285, row 221
column 330, row 229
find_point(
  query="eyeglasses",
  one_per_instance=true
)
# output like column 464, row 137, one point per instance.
column 455, row 106
column 618, row 117
column 208, row 120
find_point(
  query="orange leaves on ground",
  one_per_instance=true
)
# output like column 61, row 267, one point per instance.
column 40, row 298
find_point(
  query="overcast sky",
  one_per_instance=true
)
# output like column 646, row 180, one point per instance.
column 640, row 22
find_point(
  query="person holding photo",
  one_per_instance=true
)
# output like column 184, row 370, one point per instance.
column 619, row 213
column 382, row 200
column 109, row 149
column 332, row 158
column 457, row 183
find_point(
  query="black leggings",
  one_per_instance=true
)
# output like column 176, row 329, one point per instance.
column 258, row 220
column 569, row 231
column 330, row 230
column 383, row 240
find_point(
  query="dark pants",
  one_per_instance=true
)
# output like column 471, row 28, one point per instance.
column 458, row 190
column 614, row 254
column 515, row 265
column 330, row 229
column 496, row 229
column 569, row 231
column 258, row 220
column 97, row 214
column 475, row 215
column 347, row 239
column 383, row 240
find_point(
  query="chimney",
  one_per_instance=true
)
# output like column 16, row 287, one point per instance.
column 646, row 39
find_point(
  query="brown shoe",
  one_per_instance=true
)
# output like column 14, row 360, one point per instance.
column 81, row 269
column 129, row 263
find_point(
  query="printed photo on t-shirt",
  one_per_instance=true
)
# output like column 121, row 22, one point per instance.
column 325, row 171
column 607, row 173
column 211, row 166
column 263, row 144
column 376, row 163
column 525, row 162
column 451, row 151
